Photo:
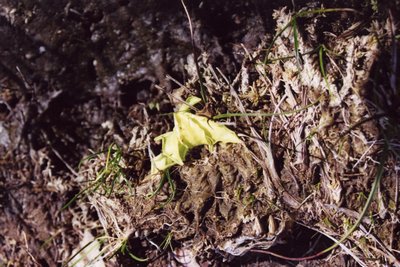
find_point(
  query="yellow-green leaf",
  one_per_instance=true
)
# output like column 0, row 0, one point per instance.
column 190, row 130
column 190, row 101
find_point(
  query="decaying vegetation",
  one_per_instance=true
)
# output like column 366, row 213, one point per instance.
column 319, row 149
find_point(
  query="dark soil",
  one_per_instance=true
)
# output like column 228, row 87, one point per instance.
column 67, row 67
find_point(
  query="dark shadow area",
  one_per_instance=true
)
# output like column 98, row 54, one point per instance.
column 135, row 92
column 299, row 242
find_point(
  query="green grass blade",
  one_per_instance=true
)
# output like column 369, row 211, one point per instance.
column 322, row 68
column 324, row 10
column 266, row 59
column 136, row 258
column 74, row 198
column 368, row 203
column 98, row 239
column 160, row 185
column 172, row 186
column 297, row 55
column 230, row 115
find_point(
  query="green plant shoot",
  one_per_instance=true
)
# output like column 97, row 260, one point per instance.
column 190, row 131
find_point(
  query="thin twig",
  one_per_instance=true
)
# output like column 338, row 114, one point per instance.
column 393, row 75
column 195, row 54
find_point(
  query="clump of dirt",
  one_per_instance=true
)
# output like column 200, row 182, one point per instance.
column 311, row 157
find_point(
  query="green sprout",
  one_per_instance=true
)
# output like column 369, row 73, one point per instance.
column 111, row 178
column 110, row 247
column 190, row 131
column 167, row 242
column 171, row 184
